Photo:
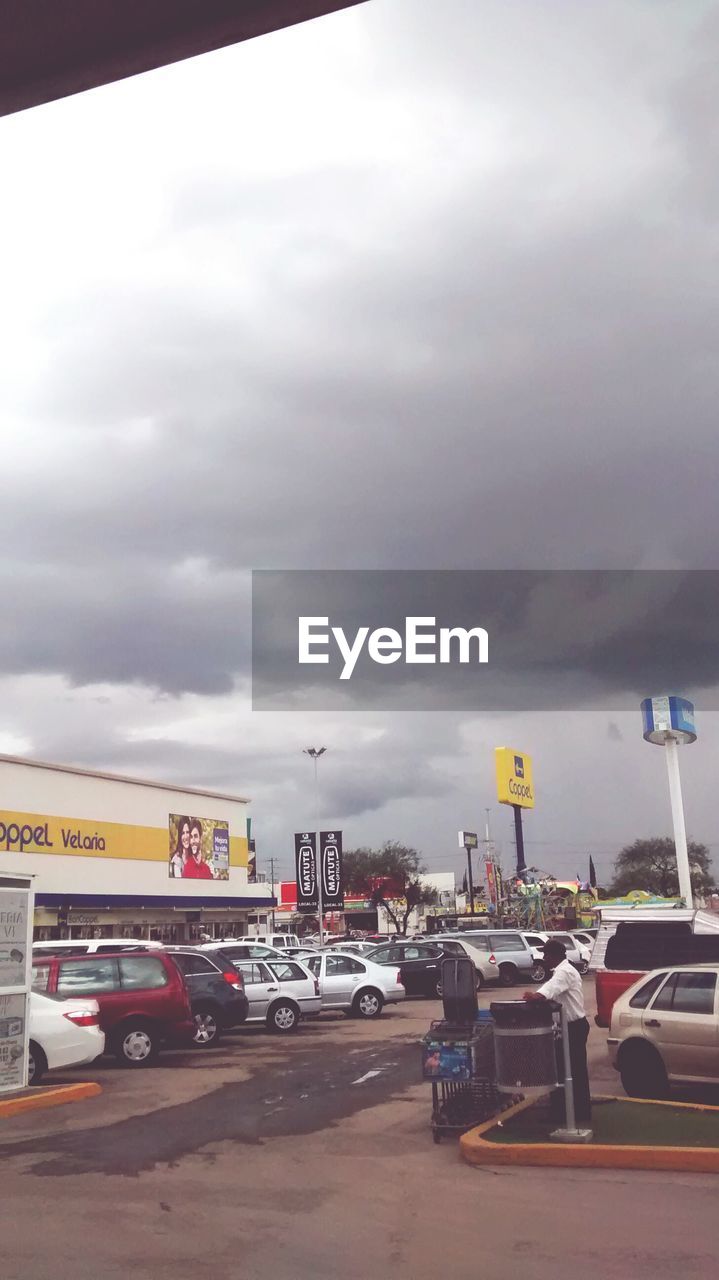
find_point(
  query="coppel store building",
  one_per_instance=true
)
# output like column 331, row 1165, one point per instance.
column 123, row 857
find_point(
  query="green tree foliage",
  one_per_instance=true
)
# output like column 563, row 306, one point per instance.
column 390, row 878
column 652, row 865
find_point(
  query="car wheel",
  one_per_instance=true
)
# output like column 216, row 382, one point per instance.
column 642, row 1072
column 508, row 974
column 136, row 1044
column 207, row 1028
column 283, row 1017
column 367, row 1004
column 480, row 981
column 538, row 972
column 36, row 1063
column 584, row 967
column 437, row 990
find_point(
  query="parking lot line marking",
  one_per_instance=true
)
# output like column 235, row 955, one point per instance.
column 368, row 1076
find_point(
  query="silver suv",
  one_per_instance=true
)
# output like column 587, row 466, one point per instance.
column 513, row 956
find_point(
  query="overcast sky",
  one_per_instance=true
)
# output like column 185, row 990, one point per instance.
column 416, row 285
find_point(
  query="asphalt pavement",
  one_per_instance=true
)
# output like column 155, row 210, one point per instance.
column 311, row 1157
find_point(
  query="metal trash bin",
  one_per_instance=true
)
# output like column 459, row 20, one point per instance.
column 525, row 1041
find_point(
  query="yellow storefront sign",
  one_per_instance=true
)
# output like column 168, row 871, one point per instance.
column 515, row 784
column 77, row 837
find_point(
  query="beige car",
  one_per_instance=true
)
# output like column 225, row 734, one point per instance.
column 665, row 1030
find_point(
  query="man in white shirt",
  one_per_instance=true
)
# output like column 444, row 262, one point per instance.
column 565, row 986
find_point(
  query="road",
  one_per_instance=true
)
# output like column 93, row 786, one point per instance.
column 311, row 1157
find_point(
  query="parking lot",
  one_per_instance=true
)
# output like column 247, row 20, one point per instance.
column 310, row 1156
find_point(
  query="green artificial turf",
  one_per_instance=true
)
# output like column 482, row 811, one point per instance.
column 620, row 1124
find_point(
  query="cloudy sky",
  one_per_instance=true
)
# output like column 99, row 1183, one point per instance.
column 411, row 286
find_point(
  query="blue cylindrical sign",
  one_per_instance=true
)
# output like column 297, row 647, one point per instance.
column 668, row 716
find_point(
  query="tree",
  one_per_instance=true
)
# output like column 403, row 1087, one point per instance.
column 652, row 865
column 389, row 877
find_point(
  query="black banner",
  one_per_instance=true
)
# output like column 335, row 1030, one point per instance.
column 333, row 898
column 306, row 870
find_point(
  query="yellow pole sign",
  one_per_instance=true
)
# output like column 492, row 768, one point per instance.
column 515, row 784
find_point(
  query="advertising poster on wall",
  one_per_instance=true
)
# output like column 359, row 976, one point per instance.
column 199, row 848
column 13, row 939
column 12, row 1042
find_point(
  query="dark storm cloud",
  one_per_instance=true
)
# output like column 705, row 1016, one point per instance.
column 176, row 632
column 464, row 319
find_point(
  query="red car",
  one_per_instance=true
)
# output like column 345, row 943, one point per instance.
column 142, row 996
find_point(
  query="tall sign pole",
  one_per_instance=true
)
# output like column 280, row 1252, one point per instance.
column 669, row 723
column 468, row 840
column 515, row 786
column 314, row 753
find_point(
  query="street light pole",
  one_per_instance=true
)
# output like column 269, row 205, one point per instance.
column 314, row 753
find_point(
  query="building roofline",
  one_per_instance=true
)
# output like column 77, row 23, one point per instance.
column 119, row 777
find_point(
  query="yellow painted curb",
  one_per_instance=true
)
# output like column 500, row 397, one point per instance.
column 476, row 1150
column 49, row 1098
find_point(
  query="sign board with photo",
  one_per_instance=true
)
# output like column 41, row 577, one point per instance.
column 13, row 1055
column 199, row 848
column 16, row 922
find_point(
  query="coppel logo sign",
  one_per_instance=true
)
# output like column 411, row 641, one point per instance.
column 515, row 783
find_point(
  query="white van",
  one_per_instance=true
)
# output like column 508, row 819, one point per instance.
column 276, row 940
column 92, row 946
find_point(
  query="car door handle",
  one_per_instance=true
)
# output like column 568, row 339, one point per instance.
column 273, row 988
column 432, row 966
column 652, row 1022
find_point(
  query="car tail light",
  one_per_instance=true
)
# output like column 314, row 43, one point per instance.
column 398, row 979
column 492, row 959
column 235, row 979
column 83, row 1017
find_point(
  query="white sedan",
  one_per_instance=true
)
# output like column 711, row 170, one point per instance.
column 355, row 985
column 280, row 991
column 63, row 1033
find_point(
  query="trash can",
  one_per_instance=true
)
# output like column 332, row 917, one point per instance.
column 524, row 1046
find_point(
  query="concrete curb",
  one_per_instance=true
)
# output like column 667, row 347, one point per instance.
column 48, row 1098
column 476, row 1150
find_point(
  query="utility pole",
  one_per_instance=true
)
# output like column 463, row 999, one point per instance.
column 272, row 874
column 314, row 753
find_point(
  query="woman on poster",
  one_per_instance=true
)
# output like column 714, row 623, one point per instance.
column 182, row 849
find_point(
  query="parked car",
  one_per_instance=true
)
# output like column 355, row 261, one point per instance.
column 665, row 1030
column 241, row 950
column 273, row 939
column 577, row 954
column 143, row 998
column 217, row 992
column 585, row 936
column 513, row 955
column 354, row 985
column 62, row 1033
column 421, row 963
column 485, row 963
column 280, row 992
column 93, row 946
column 634, row 947
column 353, row 948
